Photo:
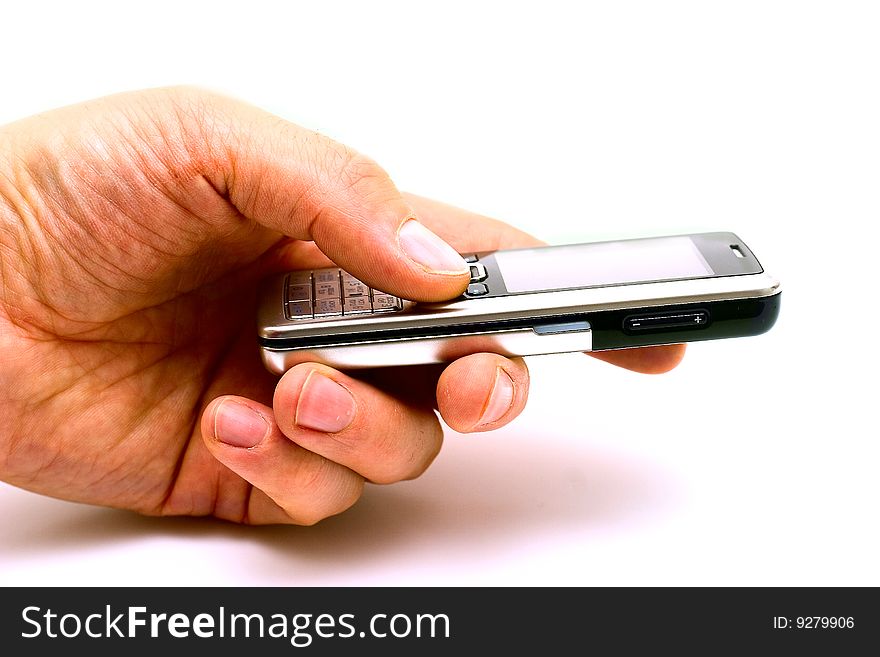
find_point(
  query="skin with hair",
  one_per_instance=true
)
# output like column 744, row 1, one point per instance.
column 134, row 231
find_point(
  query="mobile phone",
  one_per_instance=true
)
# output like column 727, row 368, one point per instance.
column 551, row 299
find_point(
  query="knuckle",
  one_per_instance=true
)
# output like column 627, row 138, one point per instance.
column 343, row 500
column 328, row 489
column 410, row 459
column 433, row 444
column 348, row 170
column 347, row 496
column 307, row 517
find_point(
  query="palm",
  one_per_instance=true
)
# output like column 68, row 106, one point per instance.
column 123, row 428
column 136, row 441
column 117, row 349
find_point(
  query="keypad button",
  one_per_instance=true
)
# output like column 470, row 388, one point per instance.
column 470, row 258
column 300, row 278
column 299, row 292
column 299, row 310
column 478, row 273
column 385, row 302
column 327, row 289
column 352, row 287
column 328, row 307
column 356, row 305
column 477, row 289
column 326, row 275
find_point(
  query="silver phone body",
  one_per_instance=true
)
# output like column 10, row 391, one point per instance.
column 521, row 323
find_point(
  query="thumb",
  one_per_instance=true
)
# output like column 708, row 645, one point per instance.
column 310, row 187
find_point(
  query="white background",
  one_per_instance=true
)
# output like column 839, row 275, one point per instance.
column 755, row 462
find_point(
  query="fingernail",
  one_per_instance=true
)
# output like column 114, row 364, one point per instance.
column 428, row 250
column 324, row 405
column 500, row 399
column 239, row 425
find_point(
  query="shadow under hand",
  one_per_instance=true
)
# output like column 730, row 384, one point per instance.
column 484, row 495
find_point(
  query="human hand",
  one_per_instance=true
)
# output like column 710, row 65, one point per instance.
column 134, row 230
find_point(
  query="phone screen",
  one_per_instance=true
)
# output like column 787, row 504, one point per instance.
column 601, row 263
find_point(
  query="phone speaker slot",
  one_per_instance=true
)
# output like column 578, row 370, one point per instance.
column 694, row 319
column 562, row 327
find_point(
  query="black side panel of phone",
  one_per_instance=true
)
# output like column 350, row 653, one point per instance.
column 728, row 319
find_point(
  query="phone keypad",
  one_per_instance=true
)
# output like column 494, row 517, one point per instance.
column 478, row 272
column 333, row 292
column 299, row 292
column 357, row 305
column 385, row 302
column 299, row 309
column 478, row 286
column 477, row 290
